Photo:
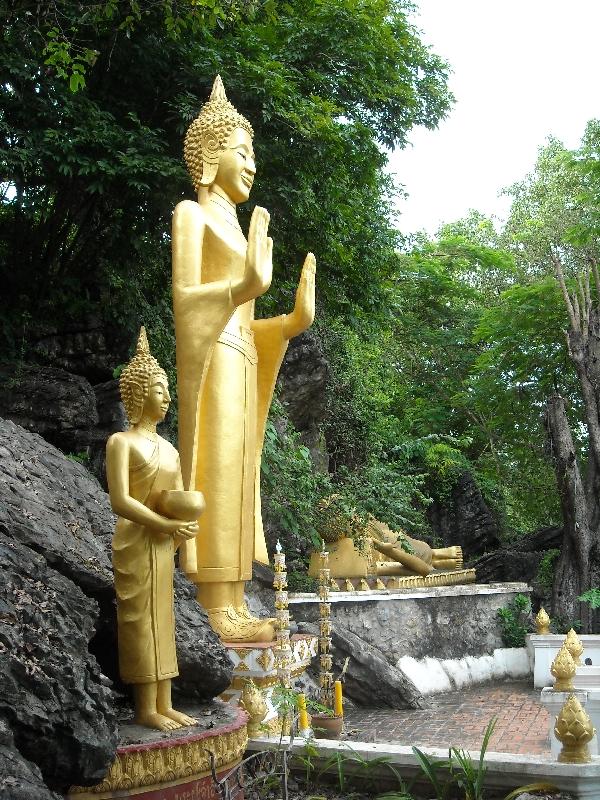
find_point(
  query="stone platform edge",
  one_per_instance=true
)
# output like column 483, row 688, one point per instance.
column 505, row 771
column 417, row 593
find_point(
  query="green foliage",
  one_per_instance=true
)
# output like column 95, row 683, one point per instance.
column 292, row 488
column 592, row 596
column 81, row 458
column 91, row 177
column 469, row 776
column 458, row 769
column 545, row 573
column 515, row 621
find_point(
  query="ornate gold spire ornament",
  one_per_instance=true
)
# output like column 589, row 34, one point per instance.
column 574, row 730
column 253, row 702
column 563, row 668
column 574, row 646
column 542, row 622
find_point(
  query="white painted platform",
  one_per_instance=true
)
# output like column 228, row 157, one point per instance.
column 505, row 771
column 554, row 701
column 433, row 675
column 543, row 649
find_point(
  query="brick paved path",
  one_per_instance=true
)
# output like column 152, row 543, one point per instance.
column 459, row 719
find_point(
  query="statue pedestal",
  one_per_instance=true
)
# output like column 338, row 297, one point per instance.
column 386, row 583
column 152, row 765
column 256, row 661
column 554, row 701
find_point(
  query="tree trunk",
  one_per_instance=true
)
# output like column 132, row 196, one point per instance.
column 578, row 560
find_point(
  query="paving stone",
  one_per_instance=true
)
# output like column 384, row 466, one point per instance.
column 459, row 719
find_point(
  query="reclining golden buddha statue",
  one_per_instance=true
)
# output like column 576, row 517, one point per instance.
column 362, row 549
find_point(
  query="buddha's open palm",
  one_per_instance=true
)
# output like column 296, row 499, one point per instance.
column 303, row 314
column 259, row 260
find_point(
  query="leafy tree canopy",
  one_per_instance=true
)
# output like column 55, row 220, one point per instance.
column 91, row 177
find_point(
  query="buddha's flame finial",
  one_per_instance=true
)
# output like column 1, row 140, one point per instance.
column 218, row 90
column 143, row 348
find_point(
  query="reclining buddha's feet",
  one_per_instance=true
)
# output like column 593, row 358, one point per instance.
column 238, row 625
column 447, row 558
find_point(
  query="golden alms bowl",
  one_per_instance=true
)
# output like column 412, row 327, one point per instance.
column 179, row 504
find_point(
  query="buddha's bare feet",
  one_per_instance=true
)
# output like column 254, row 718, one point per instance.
column 179, row 717
column 159, row 722
column 234, row 625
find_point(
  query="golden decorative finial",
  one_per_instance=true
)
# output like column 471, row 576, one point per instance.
column 574, row 730
column 209, row 133
column 563, row 668
column 542, row 622
column 253, row 702
column 218, row 91
column 574, row 646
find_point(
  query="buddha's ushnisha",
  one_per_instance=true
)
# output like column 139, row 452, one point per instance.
column 227, row 361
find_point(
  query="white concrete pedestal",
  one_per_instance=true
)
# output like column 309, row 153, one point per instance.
column 542, row 651
column 554, row 701
column 257, row 661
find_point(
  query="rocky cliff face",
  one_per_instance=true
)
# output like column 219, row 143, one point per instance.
column 465, row 520
column 58, row 652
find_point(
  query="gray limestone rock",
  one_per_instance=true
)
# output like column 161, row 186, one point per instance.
column 56, row 528
column 465, row 519
column 302, row 383
column 59, row 406
column 54, row 506
column 370, row 680
column 52, row 694
column 19, row 779
column 205, row 669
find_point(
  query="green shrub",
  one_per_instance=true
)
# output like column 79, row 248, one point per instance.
column 514, row 621
column 545, row 573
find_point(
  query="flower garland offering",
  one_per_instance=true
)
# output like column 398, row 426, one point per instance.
column 283, row 648
column 325, row 676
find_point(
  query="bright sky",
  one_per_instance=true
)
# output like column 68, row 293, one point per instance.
column 522, row 70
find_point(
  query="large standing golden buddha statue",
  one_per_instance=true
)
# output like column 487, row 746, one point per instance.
column 155, row 515
column 227, row 361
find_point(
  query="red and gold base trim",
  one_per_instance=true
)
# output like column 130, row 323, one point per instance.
column 171, row 769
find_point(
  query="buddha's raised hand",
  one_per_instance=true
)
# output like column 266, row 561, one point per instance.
column 259, row 260
column 303, row 314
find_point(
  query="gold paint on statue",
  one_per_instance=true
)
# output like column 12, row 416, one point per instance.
column 574, row 646
column 563, row 668
column 574, row 730
column 227, row 361
column 542, row 622
column 253, row 702
column 155, row 515
column 376, row 539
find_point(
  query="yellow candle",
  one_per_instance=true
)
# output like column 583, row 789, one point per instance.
column 338, row 709
column 302, row 713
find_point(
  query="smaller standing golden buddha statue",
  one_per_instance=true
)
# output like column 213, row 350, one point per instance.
column 155, row 516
